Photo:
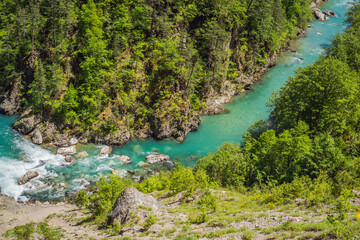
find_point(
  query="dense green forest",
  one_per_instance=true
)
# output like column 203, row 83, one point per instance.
column 310, row 151
column 114, row 69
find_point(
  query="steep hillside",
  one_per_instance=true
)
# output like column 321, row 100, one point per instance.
column 105, row 71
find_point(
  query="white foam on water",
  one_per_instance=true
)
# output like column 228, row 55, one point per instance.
column 103, row 167
column 37, row 159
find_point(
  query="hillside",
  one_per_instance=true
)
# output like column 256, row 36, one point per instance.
column 107, row 71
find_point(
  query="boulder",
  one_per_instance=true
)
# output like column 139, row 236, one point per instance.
column 128, row 202
column 69, row 158
column 26, row 124
column 36, row 137
column 105, row 150
column 73, row 141
column 320, row 15
column 329, row 12
column 27, row 177
column 157, row 158
column 66, row 150
column 213, row 106
column 82, row 154
column 61, row 140
column 125, row 159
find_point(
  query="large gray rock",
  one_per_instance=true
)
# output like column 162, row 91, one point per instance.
column 127, row 202
column 66, row 150
column 36, row 137
column 124, row 159
column 26, row 124
column 27, row 177
column 106, row 150
column 157, row 158
column 320, row 15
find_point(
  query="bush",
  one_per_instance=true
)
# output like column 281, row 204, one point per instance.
column 102, row 201
column 150, row 220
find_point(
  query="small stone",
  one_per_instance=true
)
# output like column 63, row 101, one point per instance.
column 82, row 154
column 105, row 150
column 62, row 185
column 157, row 158
column 125, row 159
column 27, row 177
column 66, row 150
column 69, row 158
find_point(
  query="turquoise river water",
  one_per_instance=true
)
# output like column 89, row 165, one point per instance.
column 18, row 155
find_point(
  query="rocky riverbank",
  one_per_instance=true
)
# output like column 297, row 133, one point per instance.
column 49, row 133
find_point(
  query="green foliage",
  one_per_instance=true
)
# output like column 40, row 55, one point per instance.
column 150, row 220
column 323, row 95
column 199, row 218
column 102, row 201
column 107, row 65
column 208, row 202
column 180, row 179
column 341, row 226
column 27, row 231
column 21, row 232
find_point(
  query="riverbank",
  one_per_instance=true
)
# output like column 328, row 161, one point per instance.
column 18, row 155
column 47, row 131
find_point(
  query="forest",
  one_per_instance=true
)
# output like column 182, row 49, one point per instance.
column 310, row 151
column 111, row 70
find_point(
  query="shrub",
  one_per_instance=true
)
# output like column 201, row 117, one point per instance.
column 150, row 220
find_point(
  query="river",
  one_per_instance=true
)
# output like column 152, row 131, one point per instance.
column 18, row 155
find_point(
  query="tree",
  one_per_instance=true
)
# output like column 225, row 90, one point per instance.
column 322, row 95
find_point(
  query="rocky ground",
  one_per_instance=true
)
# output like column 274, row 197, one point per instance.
column 236, row 217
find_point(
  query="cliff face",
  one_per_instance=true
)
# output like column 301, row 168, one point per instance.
column 107, row 72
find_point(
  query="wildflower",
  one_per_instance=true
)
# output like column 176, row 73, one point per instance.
column 357, row 214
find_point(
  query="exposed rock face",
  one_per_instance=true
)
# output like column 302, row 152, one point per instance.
column 157, row 158
column 10, row 102
column 105, row 150
column 82, row 154
column 329, row 12
column 315, row 3
column 73, row 141
column 66, row 150
column 320, row 15
column 27, row 122
column 27, row 177
column 213, row 106
column 36, row 137
column 128, row 201
column 69, row 158
column 125, row 159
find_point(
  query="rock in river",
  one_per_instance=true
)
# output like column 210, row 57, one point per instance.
column 105, row 150
column 125, row 159
column 66, row 150
column 157, row 158
column 320, row 15
column 127, row 204
column 27, row 177
column 82, row 154
column 69, row 158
